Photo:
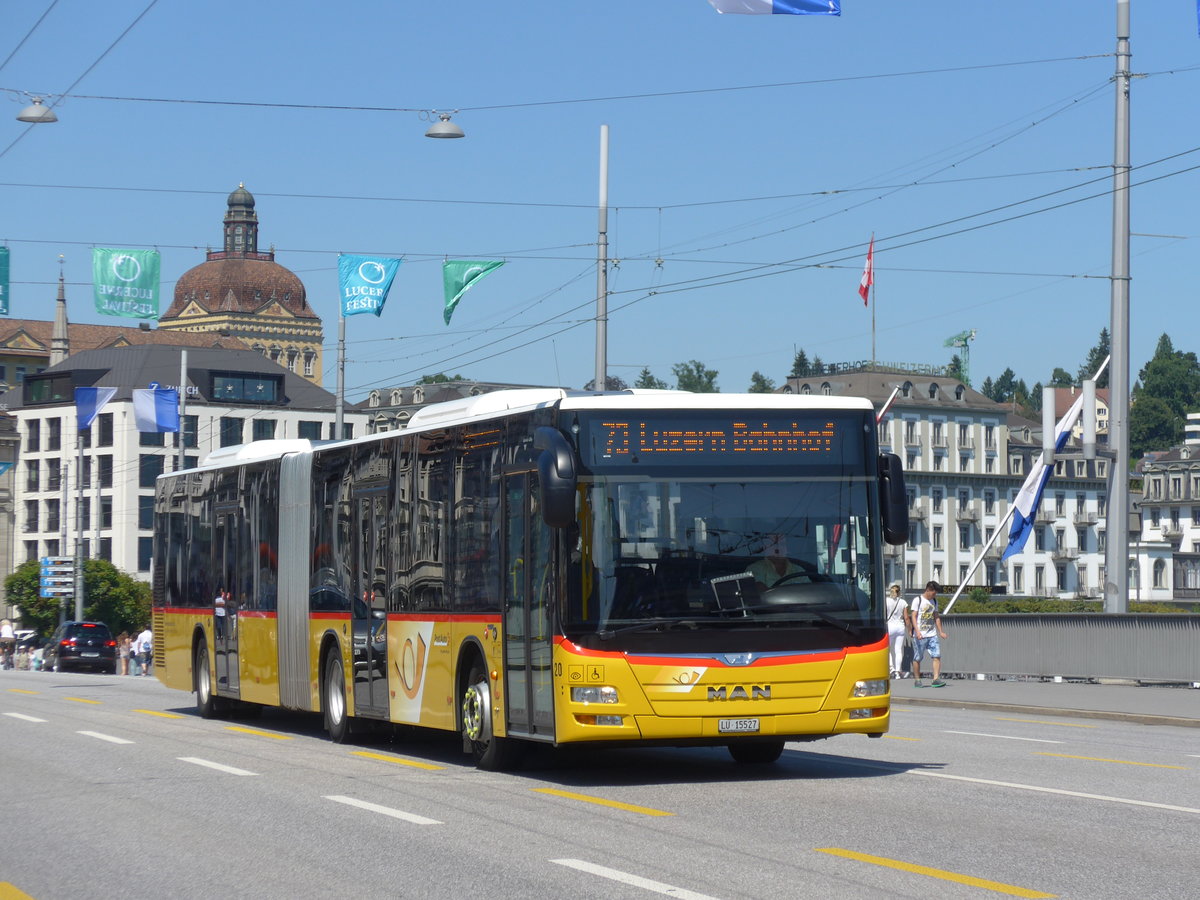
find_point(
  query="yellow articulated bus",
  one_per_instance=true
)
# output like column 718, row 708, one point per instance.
column 545, row 566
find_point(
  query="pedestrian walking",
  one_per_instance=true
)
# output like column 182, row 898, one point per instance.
column 145, row 645
column 924, row 622
column 894, row 610
column 123, row 643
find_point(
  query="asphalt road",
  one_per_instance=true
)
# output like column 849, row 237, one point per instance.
column 114, row 786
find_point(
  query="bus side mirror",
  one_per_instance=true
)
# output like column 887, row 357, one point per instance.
column 556, row 476
column 893, row 499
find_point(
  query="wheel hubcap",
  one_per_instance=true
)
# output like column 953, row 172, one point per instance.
column 337, row 703
column 474, row 706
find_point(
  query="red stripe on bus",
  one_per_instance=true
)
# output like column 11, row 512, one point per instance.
column 493, row 618
column 256, row 614
column 789, row 659
column 325, row 614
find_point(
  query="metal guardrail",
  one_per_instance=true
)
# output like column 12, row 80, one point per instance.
column 1162, row 648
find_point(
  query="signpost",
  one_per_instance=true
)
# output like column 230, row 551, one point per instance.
column 57, row 579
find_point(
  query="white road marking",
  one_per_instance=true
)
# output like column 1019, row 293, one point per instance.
column 195, row 760
column 1006, row 737
column 24, row 718
column 105, row 737
column 1059, row 791
column 383, row 810
column 635, row 880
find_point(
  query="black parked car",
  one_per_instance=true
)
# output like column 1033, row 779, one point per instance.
column 81, row 645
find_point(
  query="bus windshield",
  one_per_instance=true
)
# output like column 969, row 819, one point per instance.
column 722, row 555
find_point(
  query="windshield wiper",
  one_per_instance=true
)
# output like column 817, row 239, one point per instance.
column 808, row 612
column 664, row 624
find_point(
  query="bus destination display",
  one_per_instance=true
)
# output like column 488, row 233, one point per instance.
column 696, row 440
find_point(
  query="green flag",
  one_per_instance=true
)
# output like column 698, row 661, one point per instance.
column 125, row 282
column 460, row 274
column 3, row 281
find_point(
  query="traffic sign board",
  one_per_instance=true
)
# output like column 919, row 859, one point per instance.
column 51, row 580
column 58, row 560
column 57, row 570
column 58, row 591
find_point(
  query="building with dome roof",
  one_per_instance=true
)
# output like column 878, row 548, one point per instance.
column 243, row 292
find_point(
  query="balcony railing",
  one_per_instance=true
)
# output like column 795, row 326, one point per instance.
column 939, row 441
column 1085, row 518
column 1172, row 532
column 968, row 514
column 966, row 442
column 1064, row 553
column 1044, row 516
column 917, row 511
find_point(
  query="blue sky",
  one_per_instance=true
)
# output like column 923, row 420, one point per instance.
column 753, row 155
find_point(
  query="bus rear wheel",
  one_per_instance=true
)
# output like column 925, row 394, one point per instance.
column 756, row 752
column 206, row 703
column 490, row 752
column 333, row 700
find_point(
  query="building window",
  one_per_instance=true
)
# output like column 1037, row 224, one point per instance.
column 190, row 431
column 310, row 430
column 989, row 501
column 936, row 496
column 54, row 434
column 31, row 550
column 104, row 471
column 1081, row 539
column 146, row 512
column 310, row 360
column 1101, row 505
column 1060, row 573
column 1060, row 538
column 964, row 462
column 104, row 423
column 54, row 474
column 1039, row 580
column 33, row 436
column 1160, row 573
column 964, row 537
column 152, row 439
column 964, row 498
column 1155, row 517
column 231, row 431
column 989, row 465
column 1014, row 465
column 105, row 513
column 937, row 462
column 263, row 429
column 912, row 534
column 87, row 472
column 149, row 468
column 962, row 576
column 910, row 432
column 1101, row 543
column 937, row 537
column 145, row 545
column 1039, row 536
column 910, row 576
column 106, row 549
column 910, row 461
column 86, row 513
column 31, row 516
column 33, row 472
column 52, row 522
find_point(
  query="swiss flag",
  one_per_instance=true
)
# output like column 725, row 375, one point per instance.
column 868, row 276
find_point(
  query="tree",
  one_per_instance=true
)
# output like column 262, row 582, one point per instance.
column 955, row 369
column 110, row 596
column 989, row 388
column 1152, row 426
column 1173, row 377
column 611, row 383
column 760, row 384
column 694, row 376
column 1096, row 356
column 1004, row 387
column 799, row 366
column 817, row 367
column 439, row 378
column 1034, row 401
column 1061, row 378
column 647, row 381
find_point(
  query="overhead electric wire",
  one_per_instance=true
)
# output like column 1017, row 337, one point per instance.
column 28, row 34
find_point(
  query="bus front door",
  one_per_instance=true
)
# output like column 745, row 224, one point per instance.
column 228, row 545
column 529, row 587
column 369, row 604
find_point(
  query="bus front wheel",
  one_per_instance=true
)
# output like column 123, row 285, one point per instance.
column 337, row 723
column 756, row 752
column 489, row 751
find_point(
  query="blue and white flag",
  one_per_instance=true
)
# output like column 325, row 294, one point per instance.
column 156, row 409
column 1025, row 506
column 778, row 7
column 364, row 282
column 88, row 403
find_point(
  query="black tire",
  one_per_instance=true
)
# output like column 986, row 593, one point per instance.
column 333, row 699
column 206, row 702
column 490, row 752
column 756, row 752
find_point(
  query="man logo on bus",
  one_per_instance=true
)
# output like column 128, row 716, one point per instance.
column 738, row 692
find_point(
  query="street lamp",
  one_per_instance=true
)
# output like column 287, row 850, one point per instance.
column 36, row 113
column 444, row 128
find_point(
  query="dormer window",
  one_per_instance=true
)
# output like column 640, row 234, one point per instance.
column 933, row 391
column 397, row 397
column 959, row 392
column 826, row 389
column 906, row 389
column 418, row 394
column 805, row 389
column 373, row 399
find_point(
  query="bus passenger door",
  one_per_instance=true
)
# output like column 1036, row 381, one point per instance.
column 529, row 587
column 225, row 637
column 369, row 604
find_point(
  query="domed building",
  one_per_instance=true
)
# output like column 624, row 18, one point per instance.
column 243, row 292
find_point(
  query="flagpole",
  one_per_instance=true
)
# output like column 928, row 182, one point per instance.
column 181, row 434
column 601, row 380
column 341, row 376
column 872, row 317
column 78, row 523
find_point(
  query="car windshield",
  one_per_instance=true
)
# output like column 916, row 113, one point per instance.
column 88, row 630
column 722, row 555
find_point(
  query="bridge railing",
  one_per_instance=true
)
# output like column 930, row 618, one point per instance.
column 1162, row 648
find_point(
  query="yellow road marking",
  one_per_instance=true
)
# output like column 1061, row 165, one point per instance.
column 1044, row 722
column 82, row 700
column 396, row 759
column 9, row 891
column 255, row 731
column 21, row 691
column 600, row 801
column 1124, row 762
column 997, row 886
column 896, row 737
column 155, row 712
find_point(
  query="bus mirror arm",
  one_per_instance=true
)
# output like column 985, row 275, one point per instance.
column 893, row 499
column 556, row 474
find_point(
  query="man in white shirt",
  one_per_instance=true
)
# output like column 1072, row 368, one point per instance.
column 145, row 646
column 924, row 623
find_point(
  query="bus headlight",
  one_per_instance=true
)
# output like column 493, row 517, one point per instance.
column 872, row 688
column 594, row 694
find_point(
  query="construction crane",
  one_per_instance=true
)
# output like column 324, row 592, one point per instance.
column 960, row 340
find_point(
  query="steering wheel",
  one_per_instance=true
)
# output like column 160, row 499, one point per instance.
column 791, row 576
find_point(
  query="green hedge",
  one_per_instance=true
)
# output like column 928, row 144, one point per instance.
column 978, row 600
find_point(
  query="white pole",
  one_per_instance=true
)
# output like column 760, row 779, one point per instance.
column 601, row 380
column 181, row 435
column 341, row 376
